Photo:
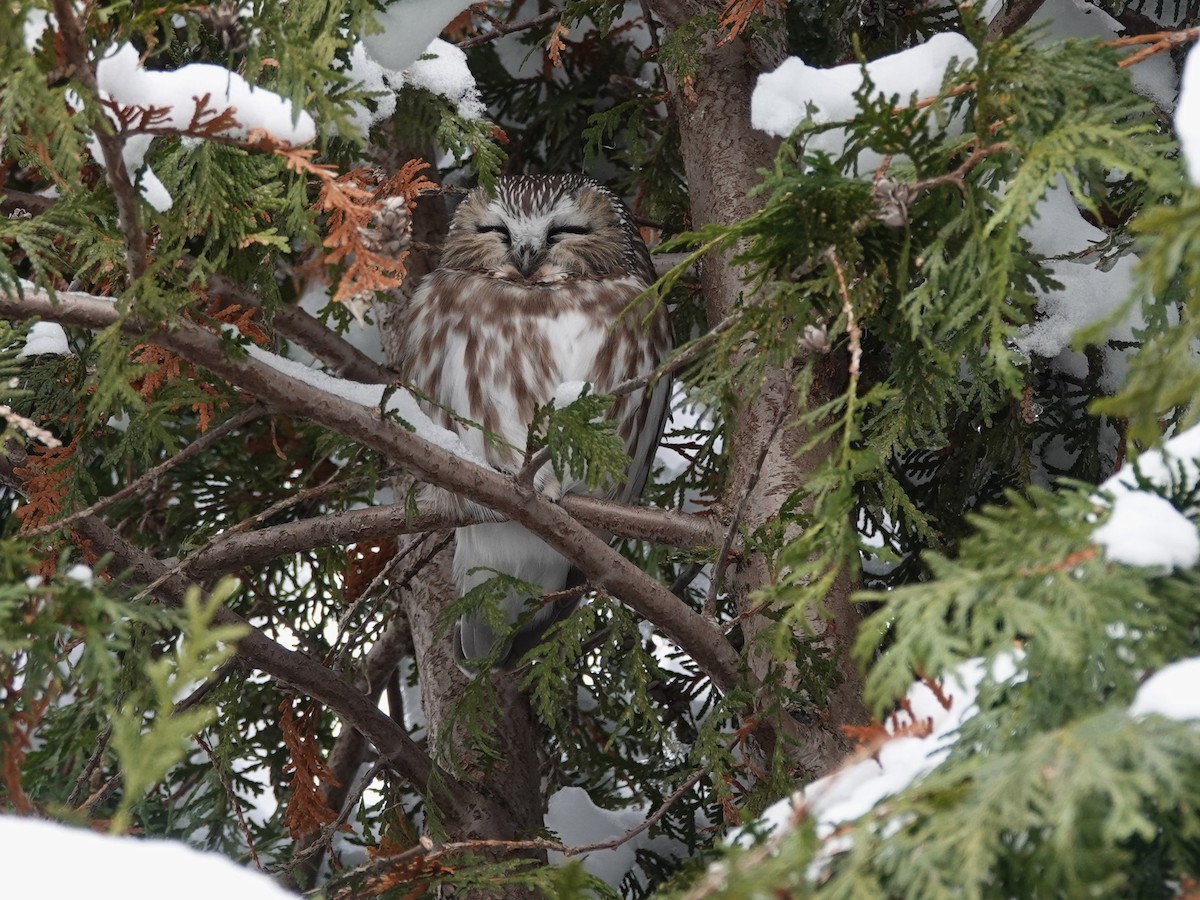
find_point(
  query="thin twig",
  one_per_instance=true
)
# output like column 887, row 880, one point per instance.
column 710, row 601
column 852, row 329
column 500, row 29
column 1159, row 41
column 322, row 840
column 93, row 762
column 233, row 800
column 328, row 486
column 111, row 144
column 146, row 480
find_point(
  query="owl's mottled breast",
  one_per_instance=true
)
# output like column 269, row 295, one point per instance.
column 534, row 290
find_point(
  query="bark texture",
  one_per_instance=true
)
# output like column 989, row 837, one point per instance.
column 722, row 154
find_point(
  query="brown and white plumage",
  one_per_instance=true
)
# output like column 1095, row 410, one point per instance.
column 533, row 292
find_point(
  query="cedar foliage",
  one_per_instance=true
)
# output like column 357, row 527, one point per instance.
column 968, row 465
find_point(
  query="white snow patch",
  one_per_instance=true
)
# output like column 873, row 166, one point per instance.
column 35, row 25
column 1187, row 115
column 854, row 790
column 1173, row 691
column 1145, row 530
column 441, row 70
column 796, row 92
column 578, row 821
column 81, row 573
column 45, row 337
column 130, row 868
column 568, row 392
column 409, row 26
column 178, row 97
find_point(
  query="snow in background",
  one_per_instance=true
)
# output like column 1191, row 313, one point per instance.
column 45, row 337
column 180, row 94
column 1187, row 115
column 855, row 789
column 1153, row 78
column 1144, row 529
column 408, row 28
column 1092, row 287
column 579, row 822
column 1173, row 692
column 62, row 863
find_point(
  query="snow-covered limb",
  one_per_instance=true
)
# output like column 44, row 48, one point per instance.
column 198, row 99
column 796, row 92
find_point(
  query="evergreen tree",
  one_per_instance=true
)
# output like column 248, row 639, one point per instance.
column 919, row 331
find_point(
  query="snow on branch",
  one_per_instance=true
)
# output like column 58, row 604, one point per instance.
column 199, row 99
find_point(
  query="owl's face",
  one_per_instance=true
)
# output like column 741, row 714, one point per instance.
column 543, row 228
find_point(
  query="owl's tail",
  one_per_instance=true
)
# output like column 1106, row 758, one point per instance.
column 483, row 550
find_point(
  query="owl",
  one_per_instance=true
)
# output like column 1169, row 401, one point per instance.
column 537, row 287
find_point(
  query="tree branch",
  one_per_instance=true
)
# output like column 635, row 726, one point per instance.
column 306, row 330
column 500, row 29
column 598, row 562
column 111, row 144
column 147, row 479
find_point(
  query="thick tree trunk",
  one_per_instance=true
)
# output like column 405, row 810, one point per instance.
column 722, row 154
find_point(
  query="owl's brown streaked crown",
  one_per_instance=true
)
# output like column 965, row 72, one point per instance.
column 543, row 229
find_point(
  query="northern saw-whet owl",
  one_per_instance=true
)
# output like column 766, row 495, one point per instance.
column 533, row 291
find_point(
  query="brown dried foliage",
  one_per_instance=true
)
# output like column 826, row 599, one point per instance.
column 364, row 562
column 45, row 475
column 350, row 203
column 556, row 44
column 307, row 810
column 165, row 367
column 736, row 15
column 21, row 726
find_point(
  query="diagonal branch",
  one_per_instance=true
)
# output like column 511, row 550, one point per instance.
column 599, row 563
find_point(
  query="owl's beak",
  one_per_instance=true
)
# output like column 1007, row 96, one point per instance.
column 527, row 257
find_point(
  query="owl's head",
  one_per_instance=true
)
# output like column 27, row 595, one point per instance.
column 544, row 228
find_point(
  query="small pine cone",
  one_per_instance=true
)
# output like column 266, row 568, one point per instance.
column 224, row 21
column 892, row 199
column 389, row 232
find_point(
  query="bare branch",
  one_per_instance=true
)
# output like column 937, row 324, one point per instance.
column 500, row 29
column 1012, row 16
